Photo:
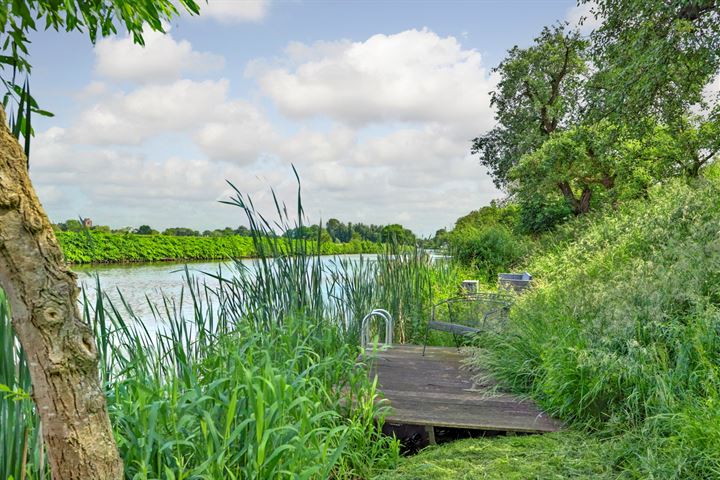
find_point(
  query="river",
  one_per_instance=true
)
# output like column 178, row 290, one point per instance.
column 140, row 282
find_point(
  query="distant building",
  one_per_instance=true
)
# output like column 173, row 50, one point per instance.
column 87, row 222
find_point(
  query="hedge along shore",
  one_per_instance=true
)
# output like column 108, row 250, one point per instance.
column 100, row 247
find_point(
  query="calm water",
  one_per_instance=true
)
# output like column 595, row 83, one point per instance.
column 141, row 282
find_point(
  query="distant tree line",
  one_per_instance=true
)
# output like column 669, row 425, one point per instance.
column 333, row 231
column 339, row 232
column 74, row 225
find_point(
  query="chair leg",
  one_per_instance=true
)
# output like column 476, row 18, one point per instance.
column 425, row 341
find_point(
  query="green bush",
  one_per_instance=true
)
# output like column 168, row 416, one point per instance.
column 490, row 249
column 621, row 333
column 539, row 215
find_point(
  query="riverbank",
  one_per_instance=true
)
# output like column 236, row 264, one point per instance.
column 558, row 455
column 100, row 247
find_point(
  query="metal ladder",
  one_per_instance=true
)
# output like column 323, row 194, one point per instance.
column 365, row 327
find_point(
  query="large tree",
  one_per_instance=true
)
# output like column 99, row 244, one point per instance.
column 654, row 57
column 42, row 291
column 603, row 158
column 573, row 162
column 539, row 92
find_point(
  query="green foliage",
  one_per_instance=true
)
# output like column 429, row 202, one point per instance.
column 490, row 250
column 337, row 231
column 539, row 92
column 396, row 233
column 493, row 214
column 94, row 246
column 18, row 19
column 620, row 334
column 600, row 160
column 97, row 18
column 71, row 225
column 557, row 455
column 654, row 57
column 181, row 232
column 232, row 400
column 539, row 214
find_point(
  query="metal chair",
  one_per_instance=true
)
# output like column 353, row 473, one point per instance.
column 483, row 308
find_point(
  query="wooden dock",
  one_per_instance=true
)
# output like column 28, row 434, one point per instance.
column 437, row 391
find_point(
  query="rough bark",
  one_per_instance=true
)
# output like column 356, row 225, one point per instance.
column 60, row 348
column 579, row 205
column 584, row 206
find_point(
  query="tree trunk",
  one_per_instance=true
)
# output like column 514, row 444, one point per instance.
column 584, row 206
column 567, row 192
column 61, row 351
column 579, row 206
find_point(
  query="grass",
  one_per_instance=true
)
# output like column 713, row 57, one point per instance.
column 21, row 453
column 551, row 456
column 621, row 335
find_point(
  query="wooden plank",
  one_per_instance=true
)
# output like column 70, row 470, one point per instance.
column 487, row 417
column 472, row 397
column 438, row 390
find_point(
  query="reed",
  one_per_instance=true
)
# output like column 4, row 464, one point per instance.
column 254, row 374
column 21, row 452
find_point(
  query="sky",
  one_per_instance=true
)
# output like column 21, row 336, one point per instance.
column 375, row 103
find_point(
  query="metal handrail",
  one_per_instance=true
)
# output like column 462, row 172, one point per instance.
column 365, row 326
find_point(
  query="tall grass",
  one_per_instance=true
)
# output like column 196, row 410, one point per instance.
column 259, row 378
column 621, row 337
column 21, row 452
column 224, row 399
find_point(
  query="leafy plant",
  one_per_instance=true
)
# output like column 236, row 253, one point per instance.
column 620, row 334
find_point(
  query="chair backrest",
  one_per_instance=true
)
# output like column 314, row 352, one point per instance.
column 480, row 310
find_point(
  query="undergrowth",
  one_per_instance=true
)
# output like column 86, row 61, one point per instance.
column 620, row 335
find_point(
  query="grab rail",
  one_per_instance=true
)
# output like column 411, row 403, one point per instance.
column 365, row 326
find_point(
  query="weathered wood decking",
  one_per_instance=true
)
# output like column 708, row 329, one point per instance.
column 437, row 391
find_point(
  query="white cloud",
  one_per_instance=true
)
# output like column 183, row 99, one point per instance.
column 161, row 59
column 398, row 110
column 235, row 11
column 413, row 76
column 239, row 132
column 422, row 175
column 131, row 118
column 126, row 187
column 583, row 17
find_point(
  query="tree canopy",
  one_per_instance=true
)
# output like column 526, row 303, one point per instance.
column 538, row 93
column 654, row 57
column 588, row 121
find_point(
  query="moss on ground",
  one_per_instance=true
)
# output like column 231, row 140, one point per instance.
column 552, row 456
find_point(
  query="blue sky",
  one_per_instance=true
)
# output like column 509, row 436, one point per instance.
column 374, row 102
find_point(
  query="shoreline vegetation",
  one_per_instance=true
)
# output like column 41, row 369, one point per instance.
column 254, row 381
column 90, row 247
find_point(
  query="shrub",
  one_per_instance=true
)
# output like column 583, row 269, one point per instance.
column 490, row 249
